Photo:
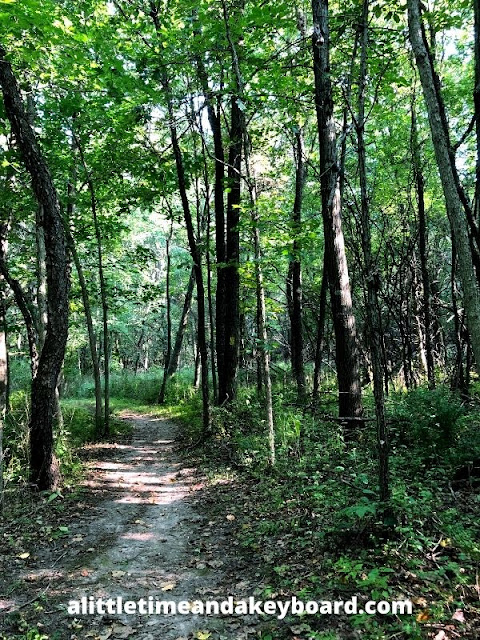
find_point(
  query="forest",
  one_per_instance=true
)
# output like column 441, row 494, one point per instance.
column 240, row 316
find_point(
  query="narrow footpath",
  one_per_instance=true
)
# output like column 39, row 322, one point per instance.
column 137, row 534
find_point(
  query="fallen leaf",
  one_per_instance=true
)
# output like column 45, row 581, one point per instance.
column 23, row 556
column 458, row 616
column 231, row 517
column 202, row 635
column 168, row 586
column 441, row 635
column 423, row 616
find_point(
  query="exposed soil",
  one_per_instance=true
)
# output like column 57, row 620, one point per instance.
column 137, row 532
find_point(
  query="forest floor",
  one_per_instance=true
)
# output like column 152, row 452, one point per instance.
column 138, row 525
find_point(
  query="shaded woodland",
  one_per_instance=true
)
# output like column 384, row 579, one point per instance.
column 262, row 220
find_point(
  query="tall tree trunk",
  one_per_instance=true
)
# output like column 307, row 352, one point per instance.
column 295, row 270
column 92, row 341
column 476, row 103
column 192, row 241
column 454, row 205
column 226, row 387
column 168, row 350
column 87, row 309
column 350, row 402
column 3, row 379
column 42, row 312
column 371, row 274
column 322, row 313
column 220, row 240
column 43, row 466
column 262, row 327
column 103, row 289
column 422, row 229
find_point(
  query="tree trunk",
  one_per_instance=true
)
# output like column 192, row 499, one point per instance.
column 422, row 228
column 44, row 471
column 262, row 326
column 103, row 290
column 168, row 351
column 92, row 341
column 372, row 276
column 476, row 103
column 175, row 357
column 220, row 243
column 192, row 241
column 226, row 385
column 322, row 313
column 350, row 403
column 21, row 299
column 295, row 271
column 455, row 210
column 3, row 379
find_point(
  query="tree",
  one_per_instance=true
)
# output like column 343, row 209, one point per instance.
column 349, row 403
column 43, row 466
column 442, row 147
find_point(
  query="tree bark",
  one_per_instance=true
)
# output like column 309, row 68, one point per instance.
column 476, row 104
column 44, row 471
column 219, row 208
column 168, row 351
column 3, row 379
column 371, row 275
column 454, row 206
column 322, row 313
column 226, row 385
column 422, row 229
column 295, row 271
column 349, row 403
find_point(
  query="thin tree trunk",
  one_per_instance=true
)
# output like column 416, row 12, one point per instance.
column 296, row 320
column 220, row 242
column 103, row 290
column 168, row 351
column 267, row 381
column 192, row 241
column 92, row 341
column 44, row 471
column 422, row 227
column 372, row 276
column 3, row 380
column 322, row 313
column 455, row 209
column 350, row 403
column 22, row 302
column 476, row 103
column 177, row 347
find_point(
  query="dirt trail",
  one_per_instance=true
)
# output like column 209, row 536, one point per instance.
column 141, row 536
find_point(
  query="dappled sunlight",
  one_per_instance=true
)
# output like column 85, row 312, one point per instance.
column 139, row 537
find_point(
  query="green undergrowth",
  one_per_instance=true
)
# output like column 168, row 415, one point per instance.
column 314, row 522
